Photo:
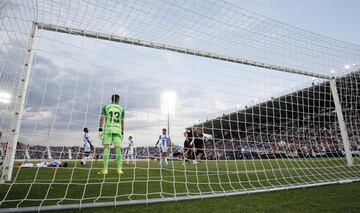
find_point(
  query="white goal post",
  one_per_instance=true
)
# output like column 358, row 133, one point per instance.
column 20, row 103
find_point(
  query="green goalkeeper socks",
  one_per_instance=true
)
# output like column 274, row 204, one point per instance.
column 119, row 158
column 106, row 158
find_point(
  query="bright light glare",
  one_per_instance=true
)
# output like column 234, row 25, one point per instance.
column 347, row 66
column 168, row 100
column 5, row 97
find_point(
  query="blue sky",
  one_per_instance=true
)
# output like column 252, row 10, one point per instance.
column 335, row 18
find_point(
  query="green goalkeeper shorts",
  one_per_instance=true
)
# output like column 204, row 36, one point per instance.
column 112, row 139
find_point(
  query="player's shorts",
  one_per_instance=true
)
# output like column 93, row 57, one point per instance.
column 41, row 165
column 112, row 139
column 87, row 148
column 164, row 148
column 131, row 151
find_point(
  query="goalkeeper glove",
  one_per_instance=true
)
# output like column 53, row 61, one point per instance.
column 100, row 133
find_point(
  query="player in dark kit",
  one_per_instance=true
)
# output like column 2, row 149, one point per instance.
column 187, row 153
column 198, row 145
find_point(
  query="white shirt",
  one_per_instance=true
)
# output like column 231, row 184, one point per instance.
column 86, row 140
column 131, row 144
column 165, row 141
column 131, row 147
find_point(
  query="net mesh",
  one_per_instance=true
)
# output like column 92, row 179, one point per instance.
column 245, row 128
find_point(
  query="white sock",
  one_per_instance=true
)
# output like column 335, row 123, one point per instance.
column 161, row 161
column 166, row 161
column 84, row 160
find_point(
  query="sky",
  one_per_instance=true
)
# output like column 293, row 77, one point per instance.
column 334, row 18
column 73, row 77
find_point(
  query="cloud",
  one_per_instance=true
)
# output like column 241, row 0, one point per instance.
column 31, row 114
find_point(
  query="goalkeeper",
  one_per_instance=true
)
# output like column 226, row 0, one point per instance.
column 112, row 116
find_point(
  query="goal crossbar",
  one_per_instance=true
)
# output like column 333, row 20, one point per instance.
column 188, row 51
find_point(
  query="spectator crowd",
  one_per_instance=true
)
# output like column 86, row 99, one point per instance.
column 291, row 140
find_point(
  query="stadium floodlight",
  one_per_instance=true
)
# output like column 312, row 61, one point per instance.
column 353, row 65
column 168, row 100
column 5, row 97
column 347, row 66
column 332, row 71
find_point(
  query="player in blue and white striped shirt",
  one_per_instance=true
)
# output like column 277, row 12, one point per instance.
column 164, row 146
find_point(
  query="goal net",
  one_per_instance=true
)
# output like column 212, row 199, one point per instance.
column 249, row 104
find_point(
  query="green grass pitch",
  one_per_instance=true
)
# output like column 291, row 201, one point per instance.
column 145, row 180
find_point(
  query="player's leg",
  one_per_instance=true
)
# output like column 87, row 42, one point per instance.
column 116, row 139
column 86, row 154
column 196, row 155
column 132, row 155
column 161, row 156
column 106, row 155
column 185, row 154
column 194, row 150
column 165, row 157
column 84, row 159
column 119, row 159
column 200, row 154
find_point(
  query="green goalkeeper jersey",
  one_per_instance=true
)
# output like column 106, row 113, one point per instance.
column 114, row 114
